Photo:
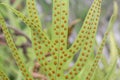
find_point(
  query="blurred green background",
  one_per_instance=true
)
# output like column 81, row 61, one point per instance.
column 22, row 35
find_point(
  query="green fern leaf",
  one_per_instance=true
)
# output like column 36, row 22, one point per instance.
column 14, row 50
column 3, row 76
column 99, row 53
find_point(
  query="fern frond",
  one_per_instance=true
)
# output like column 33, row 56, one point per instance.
column 89, row 39
column 114, row 58
column 33, row 13
column 99, row 53
column 38, row 43
column 3, row 75
column 14, row 50
column 60, row 32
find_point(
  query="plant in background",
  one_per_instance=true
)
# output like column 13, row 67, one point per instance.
column 55, row 66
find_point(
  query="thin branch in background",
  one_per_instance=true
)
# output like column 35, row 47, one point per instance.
column 36, row 73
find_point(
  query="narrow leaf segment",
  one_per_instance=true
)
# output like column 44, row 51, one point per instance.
column 89, row 33
column 14, row 50
column 99, row 53
column 3, row 76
